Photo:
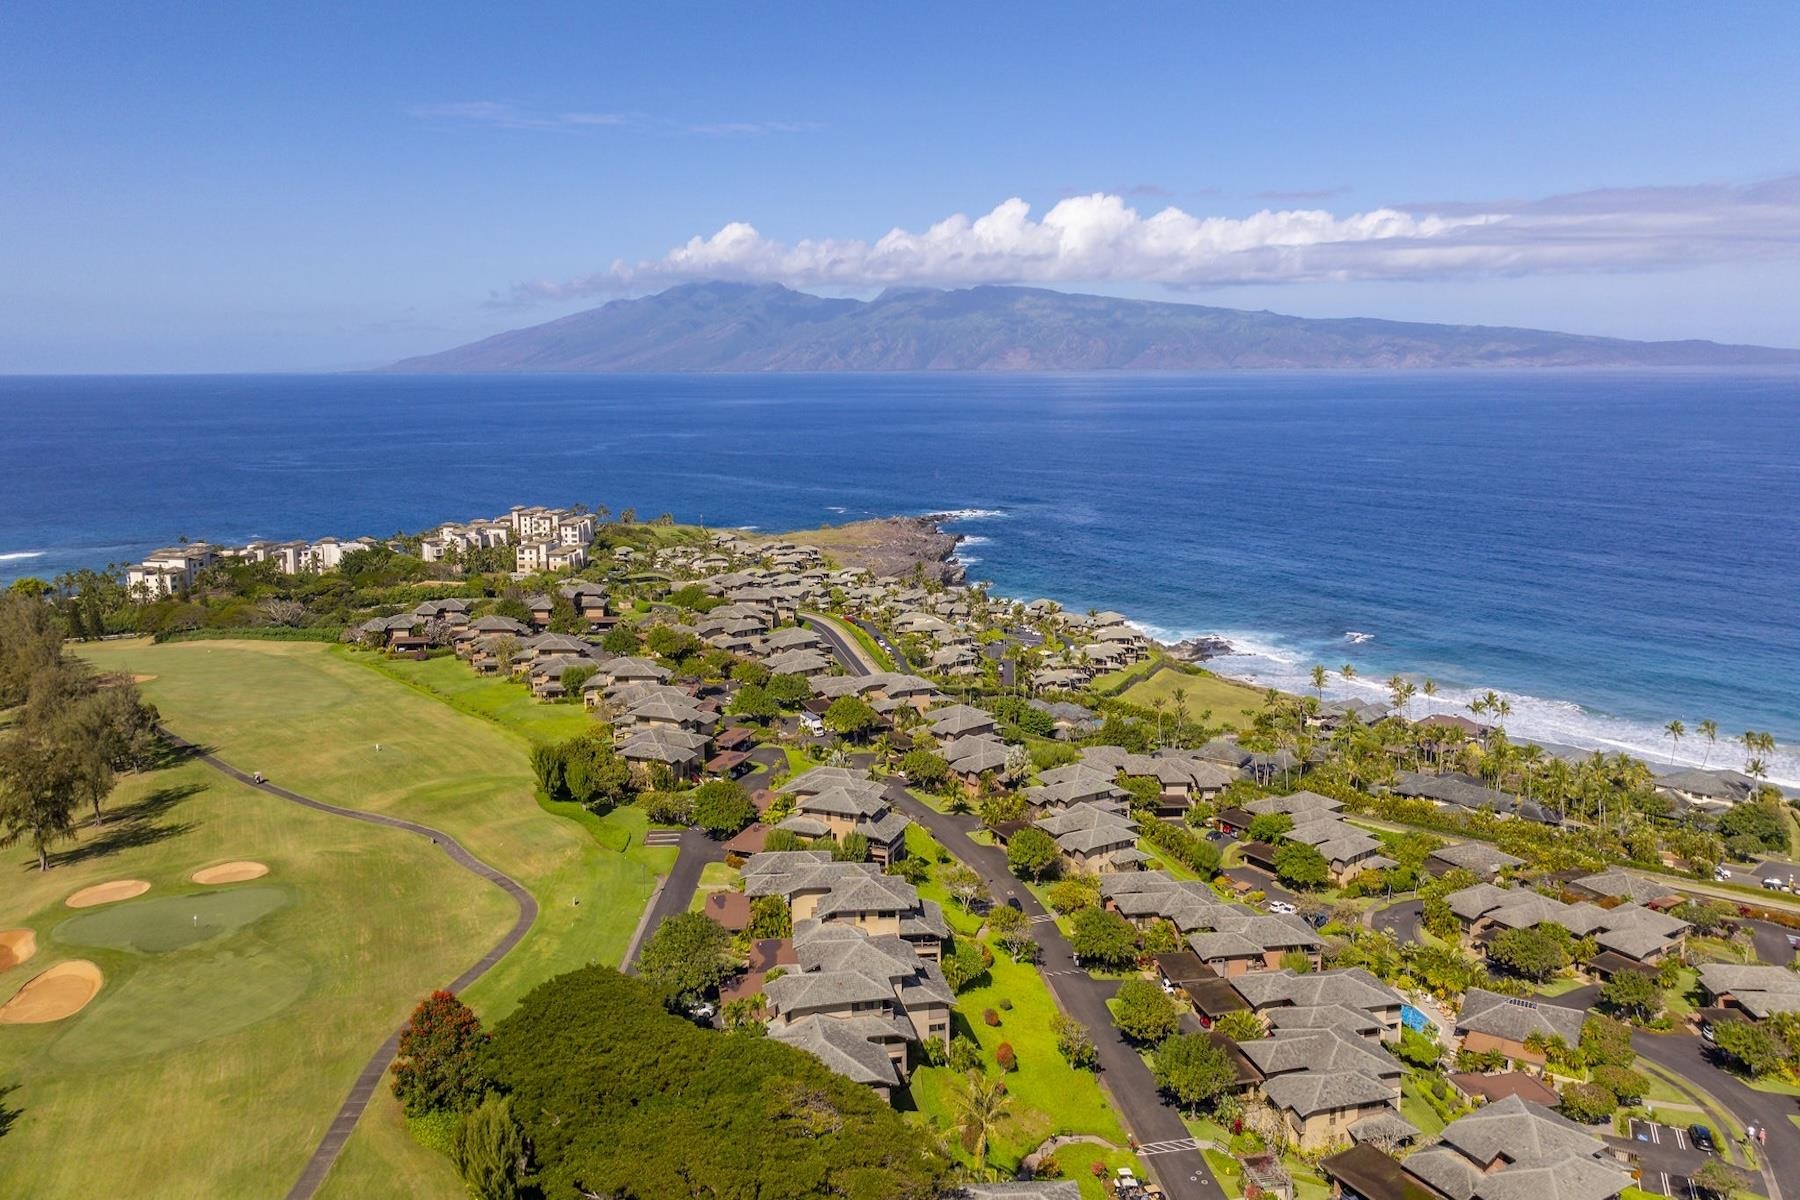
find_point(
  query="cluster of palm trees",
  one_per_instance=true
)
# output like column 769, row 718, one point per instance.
column 1494, row 704
column 1757, row 745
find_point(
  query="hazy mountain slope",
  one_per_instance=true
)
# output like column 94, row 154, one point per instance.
column 745, row 327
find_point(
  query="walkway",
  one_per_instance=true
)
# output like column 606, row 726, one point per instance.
column 338, row 1132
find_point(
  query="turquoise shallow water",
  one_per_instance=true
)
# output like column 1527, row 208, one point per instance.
column 1611, row 549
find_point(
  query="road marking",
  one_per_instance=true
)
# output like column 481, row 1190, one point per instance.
column 1040, row 919
column 1064, row 971
column 662, row 837
column 1174, row 1146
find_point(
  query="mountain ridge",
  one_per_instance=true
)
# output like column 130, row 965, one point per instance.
column 723, row 326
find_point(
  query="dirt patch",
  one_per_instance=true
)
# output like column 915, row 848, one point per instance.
column 142, row 678
column 231, row 872
column 60, row 992
column 106, row 893
column 16, row 945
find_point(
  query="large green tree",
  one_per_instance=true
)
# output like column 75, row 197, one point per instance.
column 1300, row 865
column 1102, row 938
column 721, row 807
column 1536, row 953
column 685, row 957
column 1143, row 1012
column 41, row 781
column 1032, row 854
column 617, row 1098
column 1192, row 1071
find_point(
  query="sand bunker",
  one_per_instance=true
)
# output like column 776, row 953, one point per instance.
column 231, row 872
column 142, row 678
column 16, row 945
column 62, row 991
column 106, row 893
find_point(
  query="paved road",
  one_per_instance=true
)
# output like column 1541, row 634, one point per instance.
column 676, row 891
column 1260, row 879
column 1182, row 1172
column 901, row 662
column 855, row 661
column 312, row 1176
column 1400, row 918
column 1772, row 945
column 1693, row 1060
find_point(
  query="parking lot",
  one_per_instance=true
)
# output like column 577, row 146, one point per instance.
column 1667, row 1158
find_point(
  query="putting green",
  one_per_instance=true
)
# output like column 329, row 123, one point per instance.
column 172, row 922
column 195, row 998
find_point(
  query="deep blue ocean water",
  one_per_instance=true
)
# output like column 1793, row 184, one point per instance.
column 1610, row 549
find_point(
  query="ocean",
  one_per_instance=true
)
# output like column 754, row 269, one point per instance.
column 1610, row 550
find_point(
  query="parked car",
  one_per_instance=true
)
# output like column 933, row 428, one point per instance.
column 1721, row 873
column 1702, row 1139
column 1282, row 907
column 1012, row 902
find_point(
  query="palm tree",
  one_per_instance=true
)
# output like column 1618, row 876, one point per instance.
column 1675, row 730
column 1157, row 705
column 1348, row 671
column 1430, row 690
column 1180, row 694
column 979, row 1108
column 1757, row 769
column 1751, row 741
column 1318, row 679
column 1709, row 729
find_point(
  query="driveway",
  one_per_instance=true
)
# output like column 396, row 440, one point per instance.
column 1692, row 1059
column 1167, row 1146
column 1772, row 945
column 676, row 891
column 1400, row 919
column 1260, row 879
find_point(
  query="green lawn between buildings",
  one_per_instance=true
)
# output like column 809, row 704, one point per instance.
column 257, row 1031
column 1049, row 1096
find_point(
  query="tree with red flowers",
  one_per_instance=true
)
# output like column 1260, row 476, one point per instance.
column 438, row 1066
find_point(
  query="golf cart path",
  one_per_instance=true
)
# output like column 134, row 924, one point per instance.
column 363, row 1090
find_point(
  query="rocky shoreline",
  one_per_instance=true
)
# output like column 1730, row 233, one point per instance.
column 895, row 546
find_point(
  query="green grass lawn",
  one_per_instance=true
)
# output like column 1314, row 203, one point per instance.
column 920, row 844
column 506, row 702
column 310, row 716
column 714, row 877
column 1231, row 703
column 1049, row 1096
column 218, row 1049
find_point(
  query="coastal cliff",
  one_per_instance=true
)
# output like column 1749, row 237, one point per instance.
column 891, row 546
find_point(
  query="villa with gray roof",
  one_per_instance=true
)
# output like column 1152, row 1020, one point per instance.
column 1490, row 1021
column 1513, row 1149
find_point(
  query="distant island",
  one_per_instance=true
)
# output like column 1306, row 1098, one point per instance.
column 766, row 327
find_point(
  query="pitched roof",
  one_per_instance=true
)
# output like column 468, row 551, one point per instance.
column 1516, row 1020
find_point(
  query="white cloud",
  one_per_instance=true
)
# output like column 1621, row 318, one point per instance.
column 1100, row 239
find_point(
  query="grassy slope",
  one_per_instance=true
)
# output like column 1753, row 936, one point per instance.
column 438, row 765
column 151, row 1083
column 1231, row 703
column 1049, row 1096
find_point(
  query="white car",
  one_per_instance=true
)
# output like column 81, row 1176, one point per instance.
column 1282, row 908
column 1721, row 874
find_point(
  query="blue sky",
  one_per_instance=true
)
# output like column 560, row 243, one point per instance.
column 237, row 187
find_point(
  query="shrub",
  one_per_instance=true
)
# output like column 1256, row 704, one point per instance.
column 990, row 1017
column 1588, row 1103
column 1003, row 1055
column 1005, row 1004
